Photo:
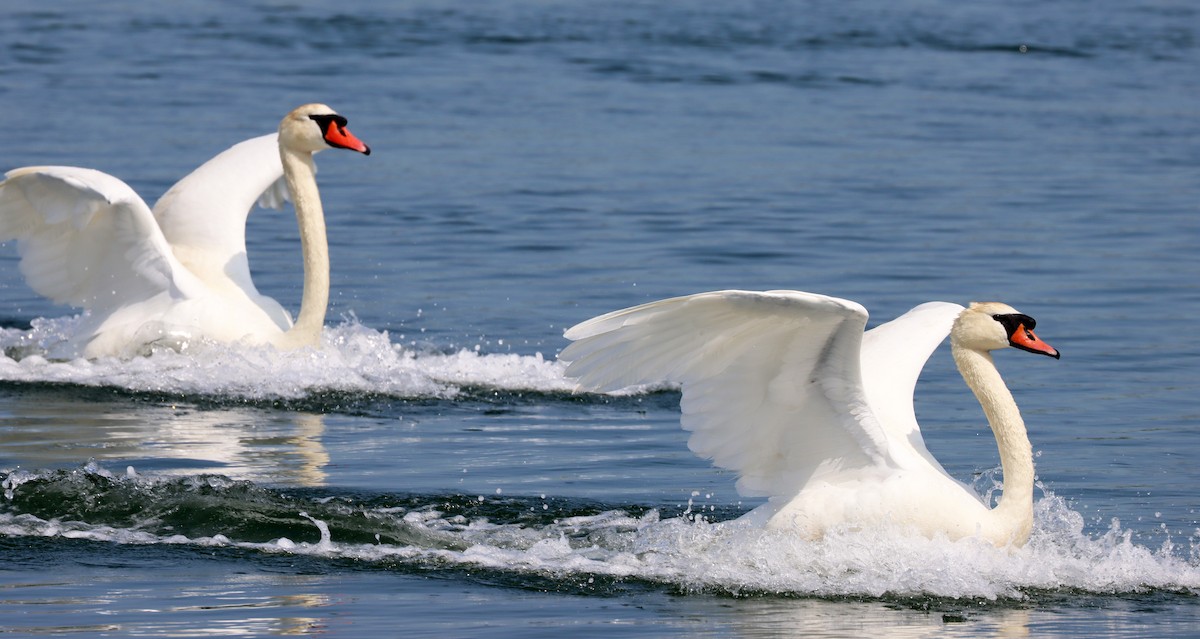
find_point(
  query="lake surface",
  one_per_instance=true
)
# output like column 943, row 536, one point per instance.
column 428, row 472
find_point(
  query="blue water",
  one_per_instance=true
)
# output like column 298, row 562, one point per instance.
column 535, row 164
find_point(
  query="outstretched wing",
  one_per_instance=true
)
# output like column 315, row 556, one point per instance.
column 203, row 216
column 770, row 381
column 893, row 355
column 86, row 239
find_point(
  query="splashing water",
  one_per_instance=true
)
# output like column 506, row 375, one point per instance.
column 353, row 359
column 562, row 543
column 570, row 543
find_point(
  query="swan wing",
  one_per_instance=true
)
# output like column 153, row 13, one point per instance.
column 770, row 380
column 893, row 355
column 203, row 216
column 86, row 239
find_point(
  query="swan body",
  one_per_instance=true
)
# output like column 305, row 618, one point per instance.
column 786, row 389
column 177, row 272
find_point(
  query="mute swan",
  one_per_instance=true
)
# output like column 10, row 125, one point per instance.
column 179, row 272
column 784, row 388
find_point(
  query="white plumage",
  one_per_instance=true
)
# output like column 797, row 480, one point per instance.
column 176, row 273
column 785, row 389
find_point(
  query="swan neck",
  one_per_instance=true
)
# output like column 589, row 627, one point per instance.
column 300, row 173
column 1016, row 454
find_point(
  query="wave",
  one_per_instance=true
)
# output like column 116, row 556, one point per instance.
column 643, row 31
column 583, row 546
column 353, row 360
column 728, row 26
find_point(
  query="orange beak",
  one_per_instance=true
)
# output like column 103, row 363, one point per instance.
column 339, row 136
column 1024, row 339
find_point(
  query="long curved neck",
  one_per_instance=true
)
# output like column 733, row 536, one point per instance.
column 302, row 182
column 1016, row 454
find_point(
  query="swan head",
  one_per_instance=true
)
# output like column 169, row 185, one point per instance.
column 989, row 326
column 315, row 127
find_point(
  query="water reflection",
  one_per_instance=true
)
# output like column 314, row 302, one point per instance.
column 240, row 606
column 776, row 617
column 55, row 429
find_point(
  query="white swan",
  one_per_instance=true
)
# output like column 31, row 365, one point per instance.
column 179, row 272
column 784, row 388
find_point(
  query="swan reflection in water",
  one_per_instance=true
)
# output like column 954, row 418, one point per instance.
column 44, row 430
column 784, row 617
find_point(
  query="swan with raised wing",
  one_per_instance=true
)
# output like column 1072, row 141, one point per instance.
column 179, row 272
column 786, row 389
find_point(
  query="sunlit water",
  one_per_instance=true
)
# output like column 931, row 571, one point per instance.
column 429, row 472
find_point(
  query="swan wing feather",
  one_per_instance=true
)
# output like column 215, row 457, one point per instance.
column 770, row 380
column 893, row 355
column 86, row 239
column 203, row 216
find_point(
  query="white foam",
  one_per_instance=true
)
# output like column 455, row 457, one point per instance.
column 353, row 359
column 696, row 555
